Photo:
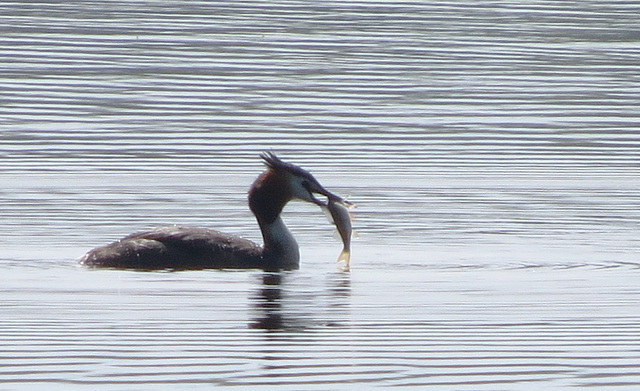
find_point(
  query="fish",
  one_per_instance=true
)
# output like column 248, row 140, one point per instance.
column 339, row 214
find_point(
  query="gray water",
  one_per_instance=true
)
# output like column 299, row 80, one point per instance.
column 492, row 149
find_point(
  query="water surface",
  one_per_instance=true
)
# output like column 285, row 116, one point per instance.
column 492, row 150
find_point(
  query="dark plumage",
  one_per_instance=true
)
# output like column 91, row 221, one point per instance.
column 177, row 248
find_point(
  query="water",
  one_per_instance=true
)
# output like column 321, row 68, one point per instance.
column 492, row 150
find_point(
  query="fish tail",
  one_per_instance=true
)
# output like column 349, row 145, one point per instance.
column 345, row 256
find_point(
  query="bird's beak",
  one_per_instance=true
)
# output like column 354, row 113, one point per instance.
column 318, row 189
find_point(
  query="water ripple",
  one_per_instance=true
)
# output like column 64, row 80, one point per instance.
column 492, row 150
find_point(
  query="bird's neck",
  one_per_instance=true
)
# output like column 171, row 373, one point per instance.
column 280, row 247
column 267, row 197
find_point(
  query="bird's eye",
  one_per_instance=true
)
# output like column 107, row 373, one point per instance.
column 306, row 184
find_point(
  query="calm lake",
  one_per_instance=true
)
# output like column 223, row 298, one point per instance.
column 493, row 150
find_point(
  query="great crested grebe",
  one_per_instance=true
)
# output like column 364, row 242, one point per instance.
column 176, row 247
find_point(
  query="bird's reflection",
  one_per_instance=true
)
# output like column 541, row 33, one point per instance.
column 269, row 302
column 290, row 305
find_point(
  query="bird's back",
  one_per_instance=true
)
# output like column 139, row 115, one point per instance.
column 176, row 247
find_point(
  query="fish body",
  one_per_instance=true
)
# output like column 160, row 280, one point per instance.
column 342, row 219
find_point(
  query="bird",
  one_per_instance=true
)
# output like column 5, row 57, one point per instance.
column 193, row 248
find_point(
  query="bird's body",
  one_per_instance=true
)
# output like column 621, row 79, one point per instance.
column 176, row 247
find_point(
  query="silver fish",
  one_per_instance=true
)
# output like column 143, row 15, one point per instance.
column 342, row 219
